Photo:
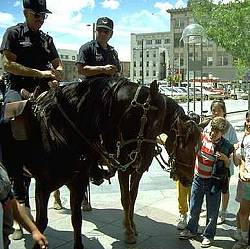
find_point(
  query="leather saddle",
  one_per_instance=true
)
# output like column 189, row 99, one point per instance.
column 19, row 113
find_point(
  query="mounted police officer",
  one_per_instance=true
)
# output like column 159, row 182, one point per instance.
column 30, row 59
column 29, row 55
column 97, row 57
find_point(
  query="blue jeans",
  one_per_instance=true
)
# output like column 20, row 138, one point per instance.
column 12, row 96
column 201, row 187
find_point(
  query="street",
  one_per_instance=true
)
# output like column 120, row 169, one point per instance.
column 155, row 213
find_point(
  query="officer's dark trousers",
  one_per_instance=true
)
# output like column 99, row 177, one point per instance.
column 14, row 153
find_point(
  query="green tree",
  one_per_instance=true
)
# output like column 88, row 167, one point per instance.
column 227, row 25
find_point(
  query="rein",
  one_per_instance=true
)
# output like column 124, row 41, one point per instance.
column 112, row 159
column 134, row 155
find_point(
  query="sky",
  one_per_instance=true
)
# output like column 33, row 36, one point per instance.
column 70, row 25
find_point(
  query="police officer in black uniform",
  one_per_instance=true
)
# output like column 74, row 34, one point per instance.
column 29, row 55
column 97, row 57
column 30, row 59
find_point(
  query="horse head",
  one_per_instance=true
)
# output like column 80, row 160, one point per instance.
column 181, row 144
column 140, row 124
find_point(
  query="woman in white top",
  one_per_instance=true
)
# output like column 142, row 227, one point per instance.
column 244, row 195
column 218, row 109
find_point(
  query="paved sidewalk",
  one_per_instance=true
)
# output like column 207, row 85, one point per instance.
column 155, row 215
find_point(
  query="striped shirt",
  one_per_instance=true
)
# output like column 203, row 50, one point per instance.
column 205, row 157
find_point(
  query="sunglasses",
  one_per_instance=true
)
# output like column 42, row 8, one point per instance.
column 39, row 15
column 105, row 31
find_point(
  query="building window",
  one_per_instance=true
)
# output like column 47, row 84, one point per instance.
column 167, row 41
column 147, row 63
column 66, row 57
column 154, row 73
column 134, row 73
column 147, row 54
column 148, row 42
column 140, row 72
column 158, row 41
column 154, row 54
column 139, row 42
column 147, row 73
column 61, row 56
column 140, row 54
column 73, row 57
column 177, row 42
column 222, row 60
column 134, row 63
column 154, row 64
column 179, row 23
column 140, row 64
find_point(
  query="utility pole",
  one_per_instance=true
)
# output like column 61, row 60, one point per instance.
column 142, row 62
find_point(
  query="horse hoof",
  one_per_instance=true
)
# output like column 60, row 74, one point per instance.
column 130, row 239
column 17, row 234
column 57, row 206
column 86, row 207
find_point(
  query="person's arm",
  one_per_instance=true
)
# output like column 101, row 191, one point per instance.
column 223, row 157
column 109, row 70
column 21, row 216
column 11, row 66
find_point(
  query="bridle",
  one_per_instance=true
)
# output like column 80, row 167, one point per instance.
column 140, row 138
column 178, row 138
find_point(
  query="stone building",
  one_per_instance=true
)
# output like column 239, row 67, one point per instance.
column 158, row 55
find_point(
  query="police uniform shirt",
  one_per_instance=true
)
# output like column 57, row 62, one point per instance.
column 33, row 49
column 92, row 54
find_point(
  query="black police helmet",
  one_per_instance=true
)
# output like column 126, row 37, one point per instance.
column 105, row 22
column 36, row 5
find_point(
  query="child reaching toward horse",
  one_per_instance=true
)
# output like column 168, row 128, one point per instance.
column 203, row 182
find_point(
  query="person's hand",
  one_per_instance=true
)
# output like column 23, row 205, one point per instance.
column 40, row 239
column 49, row 74
column 58, row 74
column 110, row 70
column 223, row 157
column 53, row 84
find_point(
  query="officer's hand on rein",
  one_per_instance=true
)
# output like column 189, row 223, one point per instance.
column 58, row 74
column 110, row 69
column 53, row 84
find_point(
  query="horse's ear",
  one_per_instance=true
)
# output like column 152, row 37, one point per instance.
column 154, row 88
column 204, row 123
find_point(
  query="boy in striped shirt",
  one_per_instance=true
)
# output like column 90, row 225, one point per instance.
column 207, row 158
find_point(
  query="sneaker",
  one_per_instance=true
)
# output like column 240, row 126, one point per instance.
column 241, row 244
column 182, row 222
column 222, row 217
column 206, row 242
column 237, row 235
column 186, row 234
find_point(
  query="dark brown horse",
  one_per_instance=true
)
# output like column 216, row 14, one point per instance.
column 107, row 120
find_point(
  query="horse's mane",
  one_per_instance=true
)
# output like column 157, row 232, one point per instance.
column 92, row 98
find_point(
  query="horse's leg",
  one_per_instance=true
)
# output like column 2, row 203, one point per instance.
column 77, row 186
column 125, row 200
column 42, row 198
column 134, row 186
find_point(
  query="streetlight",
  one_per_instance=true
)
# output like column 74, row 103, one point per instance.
column 93, row 29
column 193, row 35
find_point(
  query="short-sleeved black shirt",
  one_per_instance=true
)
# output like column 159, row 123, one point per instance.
column 34, row 50
column 92, row 54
